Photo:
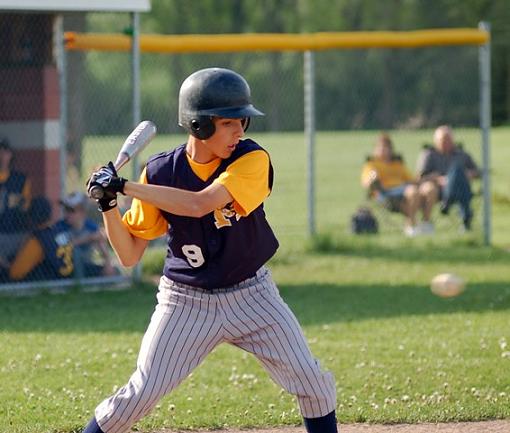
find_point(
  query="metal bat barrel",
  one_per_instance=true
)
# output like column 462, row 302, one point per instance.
column 138, row 140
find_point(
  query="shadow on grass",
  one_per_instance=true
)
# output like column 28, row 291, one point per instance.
column 462, row 250
column 130, row 310
column 321, row 304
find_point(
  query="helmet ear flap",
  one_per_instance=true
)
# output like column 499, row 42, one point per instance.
column 202, row 128
column 246, row 123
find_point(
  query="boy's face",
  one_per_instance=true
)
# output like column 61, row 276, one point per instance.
column 75, row 217
column 224, row 140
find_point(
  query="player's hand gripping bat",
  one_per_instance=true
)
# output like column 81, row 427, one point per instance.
column 135, row 143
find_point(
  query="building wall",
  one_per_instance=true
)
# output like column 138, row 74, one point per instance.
column 29, row 98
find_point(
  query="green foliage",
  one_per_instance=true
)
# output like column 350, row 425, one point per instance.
column 354, row 88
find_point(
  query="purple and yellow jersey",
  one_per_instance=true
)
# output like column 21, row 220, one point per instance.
column 227, row 245
column 47, row 255
column 15, row 198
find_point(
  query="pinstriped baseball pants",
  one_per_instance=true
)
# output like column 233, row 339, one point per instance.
column 188, row 323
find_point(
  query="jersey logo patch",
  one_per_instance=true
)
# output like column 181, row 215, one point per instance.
column 222, row 216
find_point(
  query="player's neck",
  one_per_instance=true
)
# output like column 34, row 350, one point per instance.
column 198, row 152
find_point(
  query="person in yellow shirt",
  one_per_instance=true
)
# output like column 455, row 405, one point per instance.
column 389, row 181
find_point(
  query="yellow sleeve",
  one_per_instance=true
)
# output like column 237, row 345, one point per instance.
column 367, row 174
column 246, row 179
column 27, row 258
column 144, row 220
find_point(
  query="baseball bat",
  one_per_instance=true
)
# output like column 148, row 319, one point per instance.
column 138, row 140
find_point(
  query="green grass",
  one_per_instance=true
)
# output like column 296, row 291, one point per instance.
column 339, row 156
column 399, row 353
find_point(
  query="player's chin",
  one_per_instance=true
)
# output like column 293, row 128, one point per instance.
column 228, row 151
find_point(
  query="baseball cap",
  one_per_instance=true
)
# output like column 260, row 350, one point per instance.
column 74, row 200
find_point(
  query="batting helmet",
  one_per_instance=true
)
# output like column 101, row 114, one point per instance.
column 213, row 92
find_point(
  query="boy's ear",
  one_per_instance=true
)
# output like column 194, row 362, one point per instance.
column 202, row 128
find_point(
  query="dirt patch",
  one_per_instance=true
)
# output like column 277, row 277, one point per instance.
column 502, row 426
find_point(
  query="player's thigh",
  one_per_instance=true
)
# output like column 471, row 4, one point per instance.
column 274, row 334
column 275, row 337
column 182, row 331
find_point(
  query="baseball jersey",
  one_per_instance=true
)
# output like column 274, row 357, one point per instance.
column 14, row 201
column 89, row 227
column 227, row 245
column 48, row 254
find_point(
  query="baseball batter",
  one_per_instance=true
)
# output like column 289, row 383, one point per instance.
column 207, row 196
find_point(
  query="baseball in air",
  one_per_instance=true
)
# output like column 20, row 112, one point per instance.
column 447, row 285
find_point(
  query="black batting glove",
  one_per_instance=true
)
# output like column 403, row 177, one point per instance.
column 108, row 202
column 111, row 184
column 106, row 178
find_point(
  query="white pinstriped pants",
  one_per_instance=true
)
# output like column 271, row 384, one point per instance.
column 188, row 323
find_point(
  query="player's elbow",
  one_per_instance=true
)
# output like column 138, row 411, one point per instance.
column 199, row 212
column 206, row 201
column 199, row 208
column 129, row 257
column 129, row 261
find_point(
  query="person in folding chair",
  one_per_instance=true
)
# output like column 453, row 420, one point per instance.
column 390, row 183
column 448, row 169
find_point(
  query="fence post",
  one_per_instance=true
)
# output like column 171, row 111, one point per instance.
column 309, row 102
column 485, row 126
column 61, row 60
column 135, row 85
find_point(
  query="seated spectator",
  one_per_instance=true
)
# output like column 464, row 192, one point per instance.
column 448, row 169
column 15, row 196
column 86, row 238
column 47, row 254
column 389, row 181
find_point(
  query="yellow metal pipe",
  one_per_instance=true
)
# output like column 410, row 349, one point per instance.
column 277, row 41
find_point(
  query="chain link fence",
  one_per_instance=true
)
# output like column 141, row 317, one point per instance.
column 358, row 93
column 49, row 232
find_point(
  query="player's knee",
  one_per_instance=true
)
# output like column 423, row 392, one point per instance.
column 329, row 394
column 321, row 398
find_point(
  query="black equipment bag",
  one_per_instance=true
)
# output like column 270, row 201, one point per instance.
column 363, row 221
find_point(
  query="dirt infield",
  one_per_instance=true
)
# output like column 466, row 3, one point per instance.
column 502, row 426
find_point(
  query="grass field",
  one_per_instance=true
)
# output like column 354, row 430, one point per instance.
column 399, row 353
column 339, row 156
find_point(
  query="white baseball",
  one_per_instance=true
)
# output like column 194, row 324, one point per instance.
column 447, row 285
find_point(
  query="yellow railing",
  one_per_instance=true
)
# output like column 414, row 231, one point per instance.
column 276, row 41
